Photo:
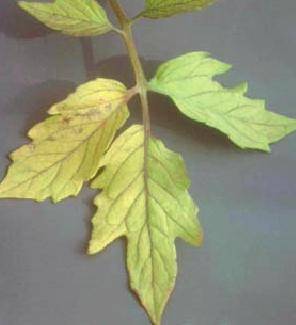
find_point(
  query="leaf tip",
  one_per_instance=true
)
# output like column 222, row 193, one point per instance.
column 24, row 5
column 53, row 110
column 267, row 150
column 226, row 67
column 93, row 248
column 241, row 88
column 89, row 250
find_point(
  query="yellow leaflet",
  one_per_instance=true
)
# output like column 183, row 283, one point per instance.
column 145, row 198
column 72, row 17
column 66, row 148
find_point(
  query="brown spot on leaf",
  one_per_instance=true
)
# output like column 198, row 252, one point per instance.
column 66, row 120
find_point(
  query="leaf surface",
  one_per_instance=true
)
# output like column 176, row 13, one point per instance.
column 71, row 17
column 188, row 80
column 66, row 148
column 145, row 198
column 166, row 8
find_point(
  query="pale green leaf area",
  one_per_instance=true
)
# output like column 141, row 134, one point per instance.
column 71, row 17
column 188, row 80
column 66, row 148
column 145, row 199
column 166, row 8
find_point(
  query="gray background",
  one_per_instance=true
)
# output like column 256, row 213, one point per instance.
column 245, row 272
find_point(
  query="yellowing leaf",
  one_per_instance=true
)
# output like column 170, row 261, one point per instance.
column 166, row 8
column 67, row 147
column 144, row 198
column 188, row 80
column 72, row 17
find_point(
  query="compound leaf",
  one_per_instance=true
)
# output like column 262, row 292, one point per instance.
column 71, row 17
column 66, row 148
column 144, row 198
column 166, row 8
column 188, row 80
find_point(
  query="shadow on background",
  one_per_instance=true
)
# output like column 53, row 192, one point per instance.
column 35, row 100
column 15, row 23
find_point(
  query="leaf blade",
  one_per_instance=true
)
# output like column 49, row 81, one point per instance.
column 188, row 80
column 167, row 8
column 66, row 148
column 71, row 17
column 150, row 218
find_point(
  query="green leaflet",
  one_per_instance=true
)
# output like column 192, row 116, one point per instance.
column 188, row 80
column 72, row 17
column 166, row 8
column 144, row 198
column 66, row 148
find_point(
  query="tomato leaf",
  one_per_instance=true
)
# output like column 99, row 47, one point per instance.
column 188, row 80
column 166, row 8
column 145, row 198
column 72, row 17
column 66, row 148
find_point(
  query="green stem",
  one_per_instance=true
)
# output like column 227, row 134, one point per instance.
column 127, row 35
